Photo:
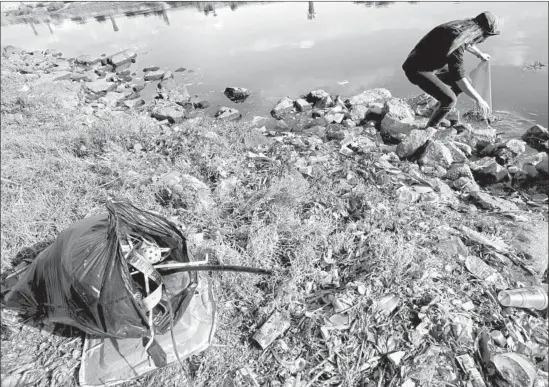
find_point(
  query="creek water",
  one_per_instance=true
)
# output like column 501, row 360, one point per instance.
column 288, row 49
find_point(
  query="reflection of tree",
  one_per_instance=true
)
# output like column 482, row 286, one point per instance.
column 79, row 19
column 114, row 25
column 33, row 28
column 233, row 5
column 100, row 18
column 311, row 12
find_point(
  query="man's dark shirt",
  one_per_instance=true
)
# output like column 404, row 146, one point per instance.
column 431, row 53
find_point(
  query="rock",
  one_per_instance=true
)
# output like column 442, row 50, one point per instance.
column 237, row 94
column 398, row 110
column 393, row 131
column 138, row 86
column 203, row 105
column 154, row 75
column 61, row 65
column 317, row 130
column 121, row 58
column 358, row 113
column 436, row 153
column 284, row 106
column 488, row 171
column 369, row 96
column 448, row 134
column 349, row 123
column 302, row 105
column 543, row 165
column 317, row 113
column 167, row 75
column 465, row 184
column 457, row 155
column 87, row 60
column 458, row 170
column 444, row 123
column 375, row 108
column 434, row 171
column 111, row 99
column 315, row 96
column 423, row 105
column 227, row 114
column 537, row 137
column 172, row 114
column 414, row 142
column 331, row 118
column 53, row 52
column 282, row 125
column 489, row 202
column 476, row 138
column 63, row 76
column 9, row 51
column 133, row 103
column 100, row 86
column 518, row 147
column 171, row 90
column 85, row 77
column 466, row 149
column 151, row 68
column 325, row 103
column 180, row 70
column 123, row 73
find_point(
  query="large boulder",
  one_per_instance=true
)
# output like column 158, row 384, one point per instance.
column 530, row 240
column 369, row 96
column 414, row 142
column 393, row 131
column 121, row 58
column 237, row 94
column 488, row 171
column 316, row 95
column 227, row 114
column 537, row 137
column 171, row 90
column 399, row 110
column 436, row 153
column 447, row 134
column 284, row 106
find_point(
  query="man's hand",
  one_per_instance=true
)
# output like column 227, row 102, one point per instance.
column 483, row 107
column 484, row 57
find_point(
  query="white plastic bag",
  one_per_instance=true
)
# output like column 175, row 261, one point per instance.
column 482, row 81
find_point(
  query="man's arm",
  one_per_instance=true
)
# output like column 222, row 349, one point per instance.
column 468, row 89
column 475, row 51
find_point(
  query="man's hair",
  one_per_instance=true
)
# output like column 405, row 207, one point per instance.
column 468, row 32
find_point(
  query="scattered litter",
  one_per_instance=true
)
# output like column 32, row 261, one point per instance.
column 387, row 304
column 528, row 297
column 515, row 369
column 468, row 366
column 396, row 357
column 484, row 272
column 453, row 246
column 406, row 195
column 277, row 323
column 477, row 237
column 498, row 338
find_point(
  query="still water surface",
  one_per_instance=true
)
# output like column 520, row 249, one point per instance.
column 284, row 49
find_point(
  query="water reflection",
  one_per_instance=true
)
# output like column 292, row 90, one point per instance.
column 378, row 4
column 311, row 12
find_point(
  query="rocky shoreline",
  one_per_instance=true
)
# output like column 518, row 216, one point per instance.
column 463, row 155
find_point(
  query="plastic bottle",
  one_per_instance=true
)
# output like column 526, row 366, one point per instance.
column 534, row 297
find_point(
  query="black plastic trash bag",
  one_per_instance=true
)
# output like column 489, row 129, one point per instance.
column 83, row 279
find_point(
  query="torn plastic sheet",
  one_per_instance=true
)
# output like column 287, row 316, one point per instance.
column 107, row 362
column 482, row 81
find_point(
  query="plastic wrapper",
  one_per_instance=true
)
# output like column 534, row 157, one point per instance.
column 481, row 80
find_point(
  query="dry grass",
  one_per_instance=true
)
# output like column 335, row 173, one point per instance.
column 325, row 237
